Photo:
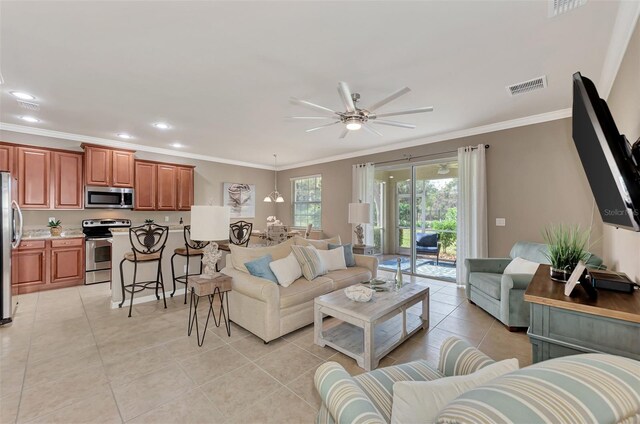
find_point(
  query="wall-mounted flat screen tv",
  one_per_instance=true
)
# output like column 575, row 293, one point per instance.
column 610, row 162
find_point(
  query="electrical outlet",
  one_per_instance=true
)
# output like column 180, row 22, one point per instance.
column 501, row 222
column 166, row 219
column 185, row 270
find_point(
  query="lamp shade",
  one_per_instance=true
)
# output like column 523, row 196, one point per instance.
column 210, row 223
column 359, row 213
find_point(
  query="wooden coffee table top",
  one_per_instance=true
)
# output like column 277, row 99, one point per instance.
column 380, row 305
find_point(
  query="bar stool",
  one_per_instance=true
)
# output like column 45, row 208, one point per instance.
column 240, row 233
column 147, row 244
column 191, row 248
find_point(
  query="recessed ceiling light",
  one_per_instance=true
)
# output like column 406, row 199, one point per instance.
column 22, row 96
column 162, row 125
column 125, row 136
column 30, row 119
column 177, row 145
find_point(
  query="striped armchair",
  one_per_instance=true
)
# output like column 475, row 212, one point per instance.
column 587, row 388
column 367, row 398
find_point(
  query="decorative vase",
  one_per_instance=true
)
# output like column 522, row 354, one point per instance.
column 560, row 275
column 55, row 231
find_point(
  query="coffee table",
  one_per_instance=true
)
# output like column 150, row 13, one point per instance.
column 370, row 330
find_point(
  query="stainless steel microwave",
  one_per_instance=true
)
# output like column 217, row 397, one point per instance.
column 108, row 198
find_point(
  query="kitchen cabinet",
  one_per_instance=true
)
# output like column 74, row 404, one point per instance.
column 185, row 188
column 67, row 180
column 97, row 165
column 29, row 266
column 146, row 184
column 7, row 158
column 47, row 264
column 67, row 261
column 167, row 187
column 122, row 169
column 33, row 177
column 106, row 167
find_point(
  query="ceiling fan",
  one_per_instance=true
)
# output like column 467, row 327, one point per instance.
column 355, row 117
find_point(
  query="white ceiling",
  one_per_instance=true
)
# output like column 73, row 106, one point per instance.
column 222, row 73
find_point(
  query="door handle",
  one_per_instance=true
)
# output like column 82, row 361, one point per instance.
column 17, row 232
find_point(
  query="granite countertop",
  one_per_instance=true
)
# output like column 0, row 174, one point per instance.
column 45, row 234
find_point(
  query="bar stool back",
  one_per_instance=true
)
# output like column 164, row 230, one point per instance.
column 192, row 248
column 240, row 233
column 147, row 245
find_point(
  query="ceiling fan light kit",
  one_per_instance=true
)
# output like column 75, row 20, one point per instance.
column 355, row 118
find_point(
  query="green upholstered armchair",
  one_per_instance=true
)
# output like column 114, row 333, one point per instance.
column 502, row 295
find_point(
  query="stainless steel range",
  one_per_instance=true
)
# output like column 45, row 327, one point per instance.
column 98, row 248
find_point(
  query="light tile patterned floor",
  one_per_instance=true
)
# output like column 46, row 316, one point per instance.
column 68, row 357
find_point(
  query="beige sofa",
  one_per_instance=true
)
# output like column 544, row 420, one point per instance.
column 269, row 310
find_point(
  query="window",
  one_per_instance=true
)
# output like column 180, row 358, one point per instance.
column 307, row 201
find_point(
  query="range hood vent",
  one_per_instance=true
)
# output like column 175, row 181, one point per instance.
column 28, row 105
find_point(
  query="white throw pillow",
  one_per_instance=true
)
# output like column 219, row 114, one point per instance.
column 521, row 266
column 332, row 259
column 419, row 402
column 286, row 270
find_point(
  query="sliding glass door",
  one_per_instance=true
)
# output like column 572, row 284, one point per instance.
column 419, row 220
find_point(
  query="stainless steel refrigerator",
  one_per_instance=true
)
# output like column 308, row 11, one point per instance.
column 11, row 233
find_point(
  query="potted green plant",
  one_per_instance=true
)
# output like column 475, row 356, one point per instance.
column 567, row 246
column 55, row 227
column 148, row 221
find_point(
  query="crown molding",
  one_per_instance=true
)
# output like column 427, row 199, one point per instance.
column 124, row 145
column 628, row 14
column 419, row 141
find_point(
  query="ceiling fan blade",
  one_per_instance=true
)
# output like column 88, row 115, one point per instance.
column 404, row 112
column 392, row 123
column 322, row 126
column 345, row 95
column 313, row 105
column 311, row 117
column 389, row 98
column 371, row 130
column 344, row 133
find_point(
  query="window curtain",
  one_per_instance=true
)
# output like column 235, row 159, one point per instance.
column 472, row 239
column 362, row 191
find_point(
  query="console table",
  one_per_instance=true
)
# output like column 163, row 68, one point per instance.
column 567, row 325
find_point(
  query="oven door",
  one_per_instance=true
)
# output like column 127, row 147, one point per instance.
column 98, row 254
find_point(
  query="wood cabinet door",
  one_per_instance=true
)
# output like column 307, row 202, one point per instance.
column 33, row 178
column 67, row 180
column 146, row 184
column 97, row 165
column 67, row 264
column 122, row 169
column 185, row 188
column 167, row 187
column 29, row 269
column 6, row 158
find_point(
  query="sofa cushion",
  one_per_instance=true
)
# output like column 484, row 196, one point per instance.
column 286, row 270
column 318, row 244
column 309, row 261
column 521, row 266
column 534, row 252
column 347, row 249
column 303, row 290
column 347, row 277
column 427, row 239
column 418, row 402
column 332, row 260
column 240, row 255
column 487, row 282
column 579, row 388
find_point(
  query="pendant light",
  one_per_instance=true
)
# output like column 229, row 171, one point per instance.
column 275, row 196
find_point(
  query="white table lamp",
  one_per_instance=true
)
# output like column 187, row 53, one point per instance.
column 359, row 213
column 210, row 223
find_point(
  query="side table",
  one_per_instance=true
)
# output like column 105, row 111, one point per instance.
column 364, row 250
column 200, row 286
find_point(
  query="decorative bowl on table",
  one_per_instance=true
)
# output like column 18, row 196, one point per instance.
column 359, row 293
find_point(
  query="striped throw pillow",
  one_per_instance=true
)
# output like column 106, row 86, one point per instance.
column 309, row 261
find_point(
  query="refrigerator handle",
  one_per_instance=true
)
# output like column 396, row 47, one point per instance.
column 17, row 230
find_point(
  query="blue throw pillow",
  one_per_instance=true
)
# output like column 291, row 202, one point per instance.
column 260, row 268
column 349, row 260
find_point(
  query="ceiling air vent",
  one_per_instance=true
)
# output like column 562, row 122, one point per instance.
column 28, row 105
column 558, row 7
column 527, row 86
